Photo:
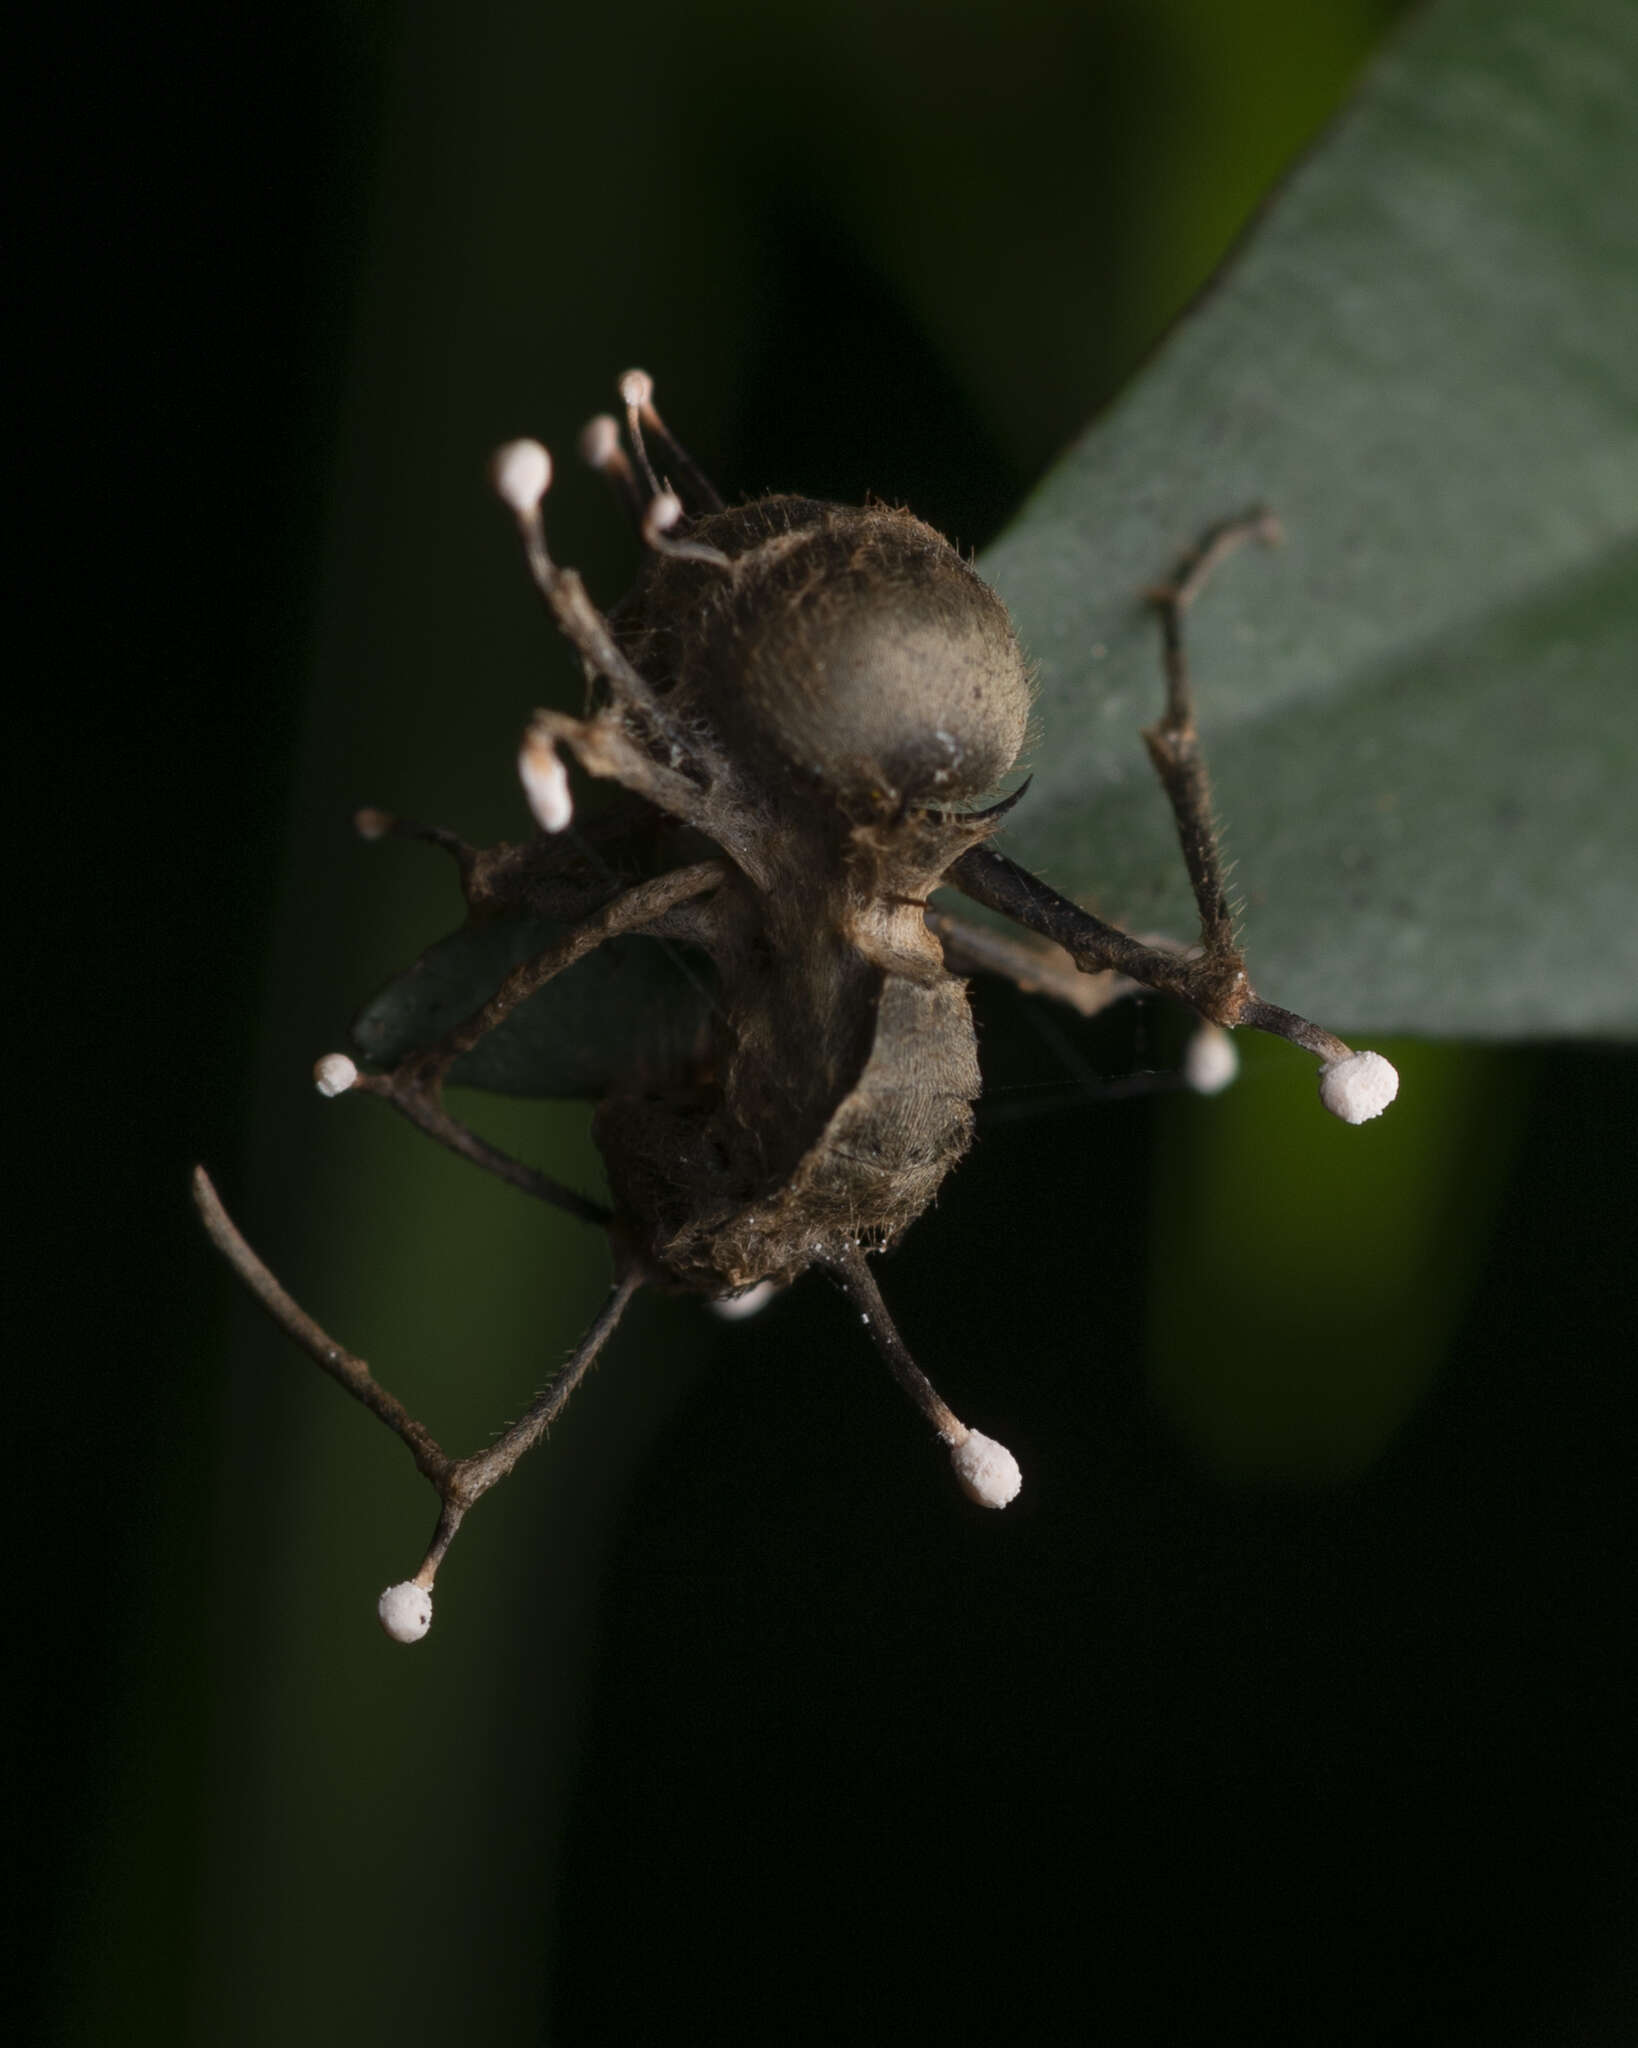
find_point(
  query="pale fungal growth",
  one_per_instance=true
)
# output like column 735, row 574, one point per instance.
column 521, row 473
column 986, row 1471
column 738, row 1308
column 545, row 781
column 801, row 704
column 663, row 513
column 405, row 1611
column 334, row 1074
column 600, row 442
column 1358, row 1087
column 1211, row 1060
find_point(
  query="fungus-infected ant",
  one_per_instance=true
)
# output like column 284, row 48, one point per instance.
column 797, row 700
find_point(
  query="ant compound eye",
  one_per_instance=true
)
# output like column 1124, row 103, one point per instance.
column 855, row 645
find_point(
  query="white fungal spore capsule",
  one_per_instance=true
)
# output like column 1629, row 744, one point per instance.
column 636, row 388
column 663, row 513
column 1211, row 1060
column 599, row 441
column 405, row 1611
column 521, row 473
column 334, row 1074
column 734, row 1308
column 545, row 782
column 986, row 1471
column 1358, row 1087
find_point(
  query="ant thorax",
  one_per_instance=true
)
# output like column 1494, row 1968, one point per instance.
column 833, row 1097
column 830, row 670
column 805, row 706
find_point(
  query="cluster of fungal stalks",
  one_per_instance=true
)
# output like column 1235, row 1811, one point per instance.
column 801, row 702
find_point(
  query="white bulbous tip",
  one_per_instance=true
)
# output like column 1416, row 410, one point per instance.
column 735, row 1308
column 636, row 388
column 521, row 474
column 1358, row 1087
column 372, row 824
column 334, row 1074
column 986, row 1471
column 545, row 782
column 1211, row 1060
column 663, row 513
column 600, row 441
column 405, row 1611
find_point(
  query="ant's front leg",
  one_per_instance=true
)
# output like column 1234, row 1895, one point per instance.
column 1209, row 1062
column 415, row 1085
column 1174, row 742
column 1031, row 965
column 1354, row 1086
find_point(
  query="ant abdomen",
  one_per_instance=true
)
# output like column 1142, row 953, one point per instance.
column 851, row 644
column 711, row 1208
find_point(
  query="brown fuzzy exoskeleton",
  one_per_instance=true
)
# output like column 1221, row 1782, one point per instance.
column 802, row 703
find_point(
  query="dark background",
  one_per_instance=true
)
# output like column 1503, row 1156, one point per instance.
column 1292, row 1702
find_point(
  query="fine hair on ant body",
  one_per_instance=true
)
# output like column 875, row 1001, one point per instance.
column 799, row 703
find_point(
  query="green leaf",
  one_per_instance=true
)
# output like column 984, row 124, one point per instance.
column 1420, row 710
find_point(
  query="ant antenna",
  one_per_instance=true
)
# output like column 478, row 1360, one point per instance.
column 637, row 394
column 986, row 1471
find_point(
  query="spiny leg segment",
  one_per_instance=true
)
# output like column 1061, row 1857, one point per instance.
column 1353, row 1085
column 406, row 1609
column 986, row 1471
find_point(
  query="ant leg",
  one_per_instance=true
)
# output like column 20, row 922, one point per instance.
column 986, row 1471
column 1353, row 1085
column 1036, row 968
column 990, row 878
column 415, row 1086
column 420, row 1099
column 650, row 759
column 1174, row 743
column 634, row 910
column 471, row 1478
column 1209, row 1062
column 1046, row 970
column 406, row 1609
